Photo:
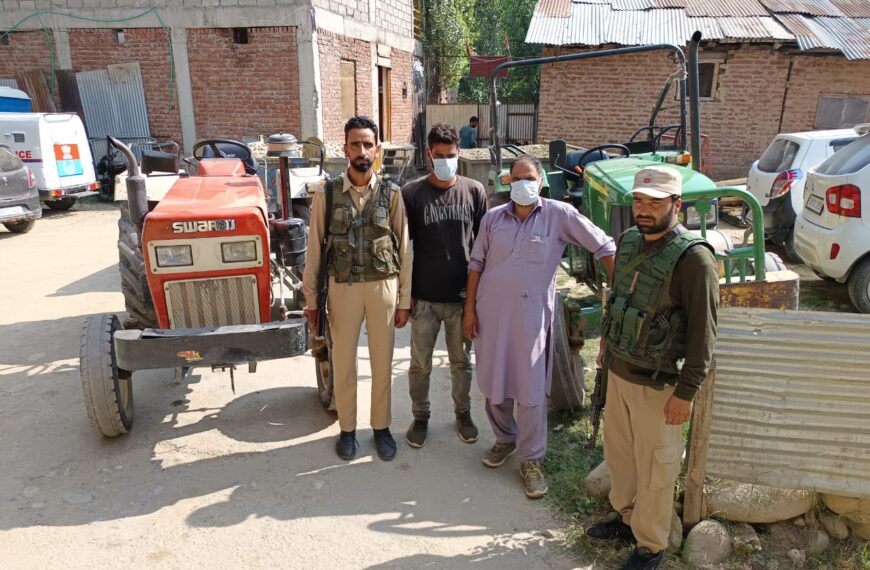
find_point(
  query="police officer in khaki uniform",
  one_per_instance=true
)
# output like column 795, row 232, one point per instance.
column 369, row 266
column 657, row 344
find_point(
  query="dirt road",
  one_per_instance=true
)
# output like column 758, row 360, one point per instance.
column 209, row 479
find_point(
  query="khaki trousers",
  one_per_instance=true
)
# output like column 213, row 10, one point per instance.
column 643, row 457
column 348, row 306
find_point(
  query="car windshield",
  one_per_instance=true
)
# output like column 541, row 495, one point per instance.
column 9, row 162
column 850, row 159
column 779, row 156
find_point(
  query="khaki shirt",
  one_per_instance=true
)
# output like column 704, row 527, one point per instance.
column 316, row 231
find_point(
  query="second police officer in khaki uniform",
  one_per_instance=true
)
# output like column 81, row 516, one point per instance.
column 369, row 266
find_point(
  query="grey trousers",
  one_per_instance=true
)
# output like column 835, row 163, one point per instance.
column 426, row 322
column 528, row 428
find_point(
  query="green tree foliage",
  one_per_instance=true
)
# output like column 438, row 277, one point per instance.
column 485, row 24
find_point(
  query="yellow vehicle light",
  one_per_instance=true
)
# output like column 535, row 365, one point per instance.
column 239, row 251
column 685, row 158
column 173, row 255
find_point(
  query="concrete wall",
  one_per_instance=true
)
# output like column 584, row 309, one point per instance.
column 244, row 89
column 599, row 101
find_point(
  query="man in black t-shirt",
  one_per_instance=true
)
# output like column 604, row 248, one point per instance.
column 444, row 212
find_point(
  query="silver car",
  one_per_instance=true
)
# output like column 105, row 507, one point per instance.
column 19, row 198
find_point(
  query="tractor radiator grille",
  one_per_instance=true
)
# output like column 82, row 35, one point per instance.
column 212, row 302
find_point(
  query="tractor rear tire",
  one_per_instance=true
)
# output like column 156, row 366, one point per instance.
column 324, row 372
column 134, row 283
column 108, row 390
column 567, row 390
column 21, row 227
column 62, row 204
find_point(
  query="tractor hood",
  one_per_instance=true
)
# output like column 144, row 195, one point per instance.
column 618, row 175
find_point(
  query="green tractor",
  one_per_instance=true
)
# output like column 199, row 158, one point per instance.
column 597, row 182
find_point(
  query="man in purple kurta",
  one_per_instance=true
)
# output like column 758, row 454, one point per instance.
column 509, row 312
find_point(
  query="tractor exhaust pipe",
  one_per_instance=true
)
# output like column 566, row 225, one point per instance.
column 137, row 197
column 695, row 102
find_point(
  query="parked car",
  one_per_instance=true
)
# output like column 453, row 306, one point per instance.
column 55, row 147
column 19, row 198
column 832, row 234
column 777, row 179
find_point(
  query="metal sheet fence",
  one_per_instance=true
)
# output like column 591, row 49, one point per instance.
column 518, row 122
column 791, row 406
column 113, row 101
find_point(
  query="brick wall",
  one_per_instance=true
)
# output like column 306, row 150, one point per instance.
column 334, row 48
column 599, row 101
column 402, row 119
column 244, row 89
column 95, row 49
column 27, row 51
column 814, row 76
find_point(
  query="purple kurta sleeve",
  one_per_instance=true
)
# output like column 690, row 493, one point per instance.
column 577, row 229
column 481, row 244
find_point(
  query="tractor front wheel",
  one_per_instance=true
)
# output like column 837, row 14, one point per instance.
column 108, row 390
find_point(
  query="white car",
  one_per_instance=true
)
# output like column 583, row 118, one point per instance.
column 777, row 179
column 832, row 234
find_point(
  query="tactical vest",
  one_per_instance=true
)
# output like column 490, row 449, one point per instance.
column 363, row 245
column 642, row 325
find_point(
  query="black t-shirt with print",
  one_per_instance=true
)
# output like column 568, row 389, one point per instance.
column 442, row 224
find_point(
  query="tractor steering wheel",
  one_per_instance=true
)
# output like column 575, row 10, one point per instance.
column 600, row 149
column 226, row 148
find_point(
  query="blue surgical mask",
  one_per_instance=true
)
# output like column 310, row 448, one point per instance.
column 445, row 168
column 525, row 192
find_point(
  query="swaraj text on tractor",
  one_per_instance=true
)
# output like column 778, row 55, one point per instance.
column 598, row 185
column 197, row 267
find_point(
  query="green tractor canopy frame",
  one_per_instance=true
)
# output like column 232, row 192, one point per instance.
column 601, row 189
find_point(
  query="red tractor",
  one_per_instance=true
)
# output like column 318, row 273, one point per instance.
column 197, row 271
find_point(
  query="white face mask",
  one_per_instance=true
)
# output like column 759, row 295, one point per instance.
column 525, row 192
column 445, row 168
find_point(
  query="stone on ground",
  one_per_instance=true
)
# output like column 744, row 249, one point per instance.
column 835, row 526
column 707, row 543
column 819, row 542
column 675, row 540
column 597, row 483
column 744, row 539
column 743, row 502
column 854, row 509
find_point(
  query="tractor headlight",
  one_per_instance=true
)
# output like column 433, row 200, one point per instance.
column 238, row 251
column 173, row 255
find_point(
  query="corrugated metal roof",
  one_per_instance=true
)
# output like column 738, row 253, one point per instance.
column 851, row 36
column 631, row 4
column 792, row 400
column 809, row 7
column 853, row 8
column 717, row 8
column 554, row 8
column 833, row 24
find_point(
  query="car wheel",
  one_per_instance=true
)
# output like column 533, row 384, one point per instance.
column 859, row 286
column 21, row 227
column 790, row 250
column 64, row 203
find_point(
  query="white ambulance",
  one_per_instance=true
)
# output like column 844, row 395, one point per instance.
column 55, row 148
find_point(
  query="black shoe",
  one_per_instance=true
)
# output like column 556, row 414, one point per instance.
column 416, row 436
column 385, row 444
column 610, row 528
column 466, row 428
column 345, row 447
column 643, row 559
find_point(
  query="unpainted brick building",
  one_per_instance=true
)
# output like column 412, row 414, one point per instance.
column 751, row 89
column 233, row 68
